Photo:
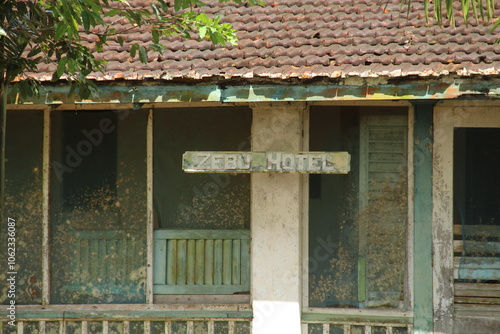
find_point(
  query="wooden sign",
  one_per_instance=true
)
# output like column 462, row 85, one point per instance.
column 267, row 162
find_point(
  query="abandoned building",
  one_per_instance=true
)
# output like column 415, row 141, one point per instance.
column 333, row 172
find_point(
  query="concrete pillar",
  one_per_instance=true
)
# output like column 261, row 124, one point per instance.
column 275, row 224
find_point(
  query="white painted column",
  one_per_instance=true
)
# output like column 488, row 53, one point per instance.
column 275, row 225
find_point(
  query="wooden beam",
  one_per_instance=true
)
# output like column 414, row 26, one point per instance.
column 442, row 227
column 45, row 208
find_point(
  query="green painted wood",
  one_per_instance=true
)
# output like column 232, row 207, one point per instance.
column 477, row 262
column 181, row 261
column 477, row 247
column 204, row 263
column 200, row 262
column 422, row 229
column 171, row 276
column 117, row 315
column 121, row 261
column 111, row 260
column 101, row 265
column 199, row 289
column 160, row 261
column 383, row 156
column 201, row 234
column 94, row 260
column 100, row 235
column 84, row 262
column 477, row 268
column 417, row 90
column 361, row 279
column 226, row 261
column 236, row 262
column 190, row 261
column 218, row 262
column 316, row 317
column 477, row 274
column 245, row 262
column 209, row 262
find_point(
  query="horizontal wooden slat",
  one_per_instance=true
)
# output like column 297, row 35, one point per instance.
column 202, row 234
column 484, row 268
column 360, row 319
column 477, row 300
column 470, row 262
column 95, row 235
column 491, row 231
column 488, row 247
column 133, row 315
column 200, row 289
column 477, row 290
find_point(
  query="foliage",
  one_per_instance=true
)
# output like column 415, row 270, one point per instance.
column 480, row 10
column 52, row 32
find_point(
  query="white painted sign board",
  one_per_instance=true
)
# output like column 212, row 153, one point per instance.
column 266, row 162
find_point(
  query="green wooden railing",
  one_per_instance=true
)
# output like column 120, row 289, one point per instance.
column 201, row 261
column 104, row 260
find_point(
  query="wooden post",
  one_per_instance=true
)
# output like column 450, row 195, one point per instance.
column 422, row 159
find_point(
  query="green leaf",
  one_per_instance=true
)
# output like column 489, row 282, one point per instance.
column 495, row 25
column 33, row 52
column 155, row 34
column 133, row 50
column 112, row 12
column 60, row 31
column 86, row 20
column 143, row 54
column 120, row 40
column 61, row 68
column 202, row 31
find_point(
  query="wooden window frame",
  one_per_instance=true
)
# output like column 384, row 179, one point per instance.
column 398, row 316
column 447, row 117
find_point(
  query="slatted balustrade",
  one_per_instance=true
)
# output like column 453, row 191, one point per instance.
column 132, row 326
column 201, row 261
column 477, row 264
column 358, row 328
column 104, row 259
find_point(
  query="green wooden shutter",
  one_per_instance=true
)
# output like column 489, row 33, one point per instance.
column 383, row 213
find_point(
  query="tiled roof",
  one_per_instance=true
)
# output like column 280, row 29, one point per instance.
column 313, row 38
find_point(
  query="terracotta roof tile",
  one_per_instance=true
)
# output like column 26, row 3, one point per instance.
column 309, row 38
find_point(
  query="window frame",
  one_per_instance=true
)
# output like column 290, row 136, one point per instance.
column 447, row 117
column 150, row 298
column 340, row 313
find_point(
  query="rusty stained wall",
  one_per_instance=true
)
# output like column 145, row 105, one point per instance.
column 23, row 203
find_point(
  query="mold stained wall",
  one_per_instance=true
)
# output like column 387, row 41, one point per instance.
column 98, row 208
column 23, row 203
column 357, row 222
column 206, row 200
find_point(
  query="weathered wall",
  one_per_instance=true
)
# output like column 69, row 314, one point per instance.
column 275, row 224
column 23, row 203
